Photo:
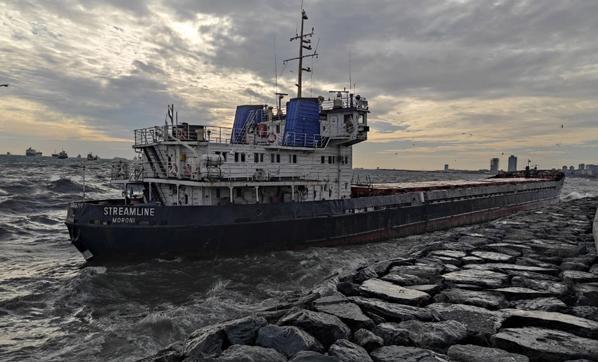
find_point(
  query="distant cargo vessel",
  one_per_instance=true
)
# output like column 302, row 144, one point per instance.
column 281, row 178
column 61, row 155
column 32, row 152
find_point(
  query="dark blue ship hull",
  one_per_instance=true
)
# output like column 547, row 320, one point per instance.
column 110, row 230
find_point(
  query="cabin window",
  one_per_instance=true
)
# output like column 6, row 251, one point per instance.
column 272, row 157
column 278, row 158
column 277, row 128
column 331, row 159
column 239, row 192
column 242, row 157
column 329, row 192
column 346, row 185
column 236, row 156
column 323, row 159
column 315, row 194
column 346, row 160
column 261, row 157
column 256, row 157
column 294, row 158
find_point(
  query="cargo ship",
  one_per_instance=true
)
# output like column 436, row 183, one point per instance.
column 280, row 178
column 31, row 152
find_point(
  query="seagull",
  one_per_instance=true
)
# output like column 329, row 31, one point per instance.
column 4, row 85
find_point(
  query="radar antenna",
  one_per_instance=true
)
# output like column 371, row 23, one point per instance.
column 304, row 43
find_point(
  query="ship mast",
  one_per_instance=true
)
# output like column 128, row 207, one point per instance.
column 304, row 43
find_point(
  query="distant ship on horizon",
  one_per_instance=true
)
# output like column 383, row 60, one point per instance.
column 91, row 157
column 61, row 155
column 31, row 152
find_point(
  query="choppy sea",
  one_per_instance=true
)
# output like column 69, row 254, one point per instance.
column 54, row 307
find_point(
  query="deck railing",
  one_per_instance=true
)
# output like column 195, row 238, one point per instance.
column 183, row 133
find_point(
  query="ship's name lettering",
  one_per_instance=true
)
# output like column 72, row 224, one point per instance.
column 129, row 211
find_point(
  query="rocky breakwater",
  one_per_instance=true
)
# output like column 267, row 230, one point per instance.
column 517, row 289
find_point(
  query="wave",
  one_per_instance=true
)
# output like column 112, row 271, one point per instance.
column 576, row 195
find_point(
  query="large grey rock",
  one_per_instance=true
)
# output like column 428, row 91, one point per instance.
column 348, row 351
column 532, row 275
column 554, row 320
column 585, row 311
column 428, row 270
column 548, row 304
column 480, row 298
column 392, row 311
column 541, row 285
column 243, row 353
column 311, row 356
column 348, row 312
column 435, row 335
column 506, row 267
column 427, row 288
column 480, row 322
column 325, row 327
column 367, row 339
column 406, row 279
column 505, row 248
column 473, row 353
column 586, row 294
column 552, row 248
column 406, row 354
column 392, row 292
column 287, row 340
column 382, row 267
column 363, row 274
column 455, row 254
column 576, row 276
column 514, row 293
column 546, row 344
column 205, row 342
column 485, row 278
column 493, row 256
column 391, row 333
column 244, row 330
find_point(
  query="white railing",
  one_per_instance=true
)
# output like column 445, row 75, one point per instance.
column 183, row 133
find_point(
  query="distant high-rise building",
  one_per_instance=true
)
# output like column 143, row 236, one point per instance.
column 582, row 166
column 571, row 168
column 494, row 164
column 446, row 167
column 565, row 168
column 512, row 163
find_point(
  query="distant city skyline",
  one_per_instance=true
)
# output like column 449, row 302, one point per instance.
column 448, row 82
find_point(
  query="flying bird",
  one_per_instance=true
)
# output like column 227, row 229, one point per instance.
column 4, row 85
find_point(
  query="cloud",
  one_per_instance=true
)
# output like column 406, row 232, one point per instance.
column 463, row 79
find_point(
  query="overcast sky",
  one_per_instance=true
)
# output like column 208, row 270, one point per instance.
column 451, row 81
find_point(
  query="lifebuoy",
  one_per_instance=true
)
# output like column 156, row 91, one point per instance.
column 187, row 170
column 272, row 138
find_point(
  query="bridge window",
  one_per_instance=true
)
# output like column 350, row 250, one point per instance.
column 323, row 159
column 278, row 158
column 236, row 156
column 294, row 158
column 242, row 157
column 256, row 157
column 272, row 157
column 261, row 157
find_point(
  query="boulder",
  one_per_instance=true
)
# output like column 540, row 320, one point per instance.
column 348, row 351
column 392, row 311
column 553, row 320
column 348, row 312
column 392, row 292
column 586, row 294
column 348, row 288
column 505, row 248
column 493, row 256
column 480, row 322
column 532, row 275
column 406, row 354
column 244, row 330
column 546, row 344
column 552, row 248
column 506, row 267
column 540, row 285
column 391, row 333
column 576, row 276
column 326, row 328
column 382, row 267
column 311, row 356
column 205, row 342
column 364, row 274
column 428, row 270
column 434, row 335
column 455, row 254
column 514, row 293
column 427, row 288
column 481, row 298
column 470, row 259
column 406, row 279
column 245, row 353
column 473, row 353
column 367, row 339
column 548, row 304
column 287, row 340
column 585, row 311
column 485, row 278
